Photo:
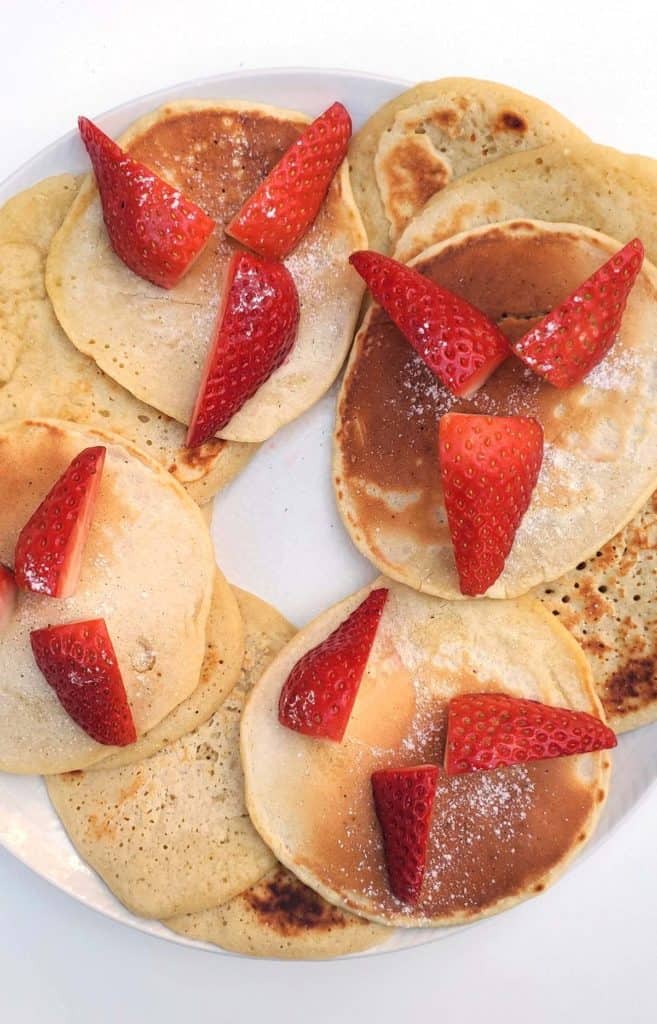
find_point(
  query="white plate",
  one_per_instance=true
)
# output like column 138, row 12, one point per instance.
column 285, row 493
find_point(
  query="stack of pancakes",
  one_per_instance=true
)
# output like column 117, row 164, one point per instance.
column 218, row 820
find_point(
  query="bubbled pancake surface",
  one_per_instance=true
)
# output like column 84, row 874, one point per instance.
column 497, row 837
column 600, row 461
column 74, row 388
column 147, row 569
column 154, row 342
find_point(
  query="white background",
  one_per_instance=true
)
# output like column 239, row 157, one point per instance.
column 585, row 951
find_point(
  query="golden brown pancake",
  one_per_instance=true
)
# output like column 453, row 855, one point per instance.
column 497, row 837
column 73, row 388
column 433, row 134
column 600, row 460
column 609, row 604
column 155, row 342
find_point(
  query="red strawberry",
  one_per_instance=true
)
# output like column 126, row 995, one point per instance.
column 403, row 799
column 278, row 214
column 489, row 466
column 79, row 662
column 49, row 548
column 566, row 344
column 152, row 227
column 493, row 730
column 458, row 343
column 8, row 597
column 254, row 332
column 320, row 691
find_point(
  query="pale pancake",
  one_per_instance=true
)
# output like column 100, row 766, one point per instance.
column 497, row 837
column 434, row 133
column 147, row 569
column 72, row 387
column 600, row 462
column 171, row 835
column 609, row 604
column 582, row 183
column 224, row 655
column 154, row 342
column 280, row 917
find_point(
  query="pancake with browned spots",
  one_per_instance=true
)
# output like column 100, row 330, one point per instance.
column 497, row 837
column 154, row 342
column 43, row 374
column 281, row 917
column 171, row 835
column 147, row 569
column 609, row 604
column 580, row 182
column 600, row 462
column 434, row 133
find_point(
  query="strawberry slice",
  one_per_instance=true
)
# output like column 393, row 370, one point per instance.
column 275, row 218
column 49, row 549
column 489, row 466
column 494, row 730
column 8, row 597
column 78, row 661
column 403, row 800
column 319, row 693
column 460, row 345
column 566, row 344
column 254, row 333
column 152, row 227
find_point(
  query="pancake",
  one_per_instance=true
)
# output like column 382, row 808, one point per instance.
column 497, row 837
column 224, row 655
column 73, row 388
column 147, row 569
column 600, row 462
column 609, row 604
column 582, row 183
column 154, row 342
column 171, row 835
column 281, row 917
column 434, row 133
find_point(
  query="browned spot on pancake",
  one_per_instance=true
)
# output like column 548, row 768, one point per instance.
column 101, row 828
column 632, row 686
column 600, row 795
column 540, row 887
column 391, row 402
column 445, row 118
column 508, row 121
column 414, row 173
column 199, row 458
column 289, row 907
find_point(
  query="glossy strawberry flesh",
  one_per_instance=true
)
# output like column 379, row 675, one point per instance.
column 79, row 662
column 319, row 693
column 8, row 597
column 275, row 218
column 489, row 466
column 50, row 546
column 254, row 333
column 403, row 800
column 570, row 341
column 460, row 345
column 152, row 227
column 492, row 730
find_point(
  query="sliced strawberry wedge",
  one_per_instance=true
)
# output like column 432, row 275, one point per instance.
column 254, row 333
column 152, row 227
column 494, row 730
column 403, row 800
column 49, row 549
column 278, row 214
column 319, row 693
column 489, row 466
column 8, row 597
column 460, row 345
column 78, row 661
column 566, row 344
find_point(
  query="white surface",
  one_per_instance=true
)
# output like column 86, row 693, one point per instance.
column 584, row 950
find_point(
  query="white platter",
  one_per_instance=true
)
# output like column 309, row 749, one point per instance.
column 276, row 528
